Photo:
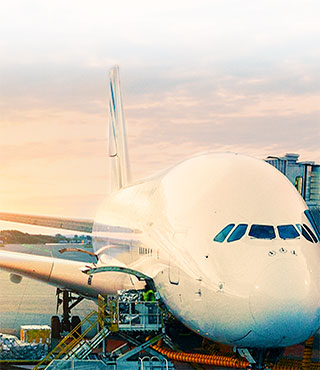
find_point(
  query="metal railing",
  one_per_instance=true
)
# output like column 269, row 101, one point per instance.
column 72, row 341
column 135, row 316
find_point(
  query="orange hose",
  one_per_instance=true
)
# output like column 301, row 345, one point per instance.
column 196, row 358
column 307, row 353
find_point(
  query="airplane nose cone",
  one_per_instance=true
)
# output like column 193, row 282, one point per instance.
column 285, row 302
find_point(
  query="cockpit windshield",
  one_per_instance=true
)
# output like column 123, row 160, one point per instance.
column 287, row 232
column 267, row 232
column 262, row 232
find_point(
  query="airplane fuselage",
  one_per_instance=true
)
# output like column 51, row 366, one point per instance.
column 251, row 292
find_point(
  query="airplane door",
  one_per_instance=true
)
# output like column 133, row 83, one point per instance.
column 174, row 273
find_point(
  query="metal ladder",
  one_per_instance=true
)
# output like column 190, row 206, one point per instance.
column 74, row 339
column 84, row 348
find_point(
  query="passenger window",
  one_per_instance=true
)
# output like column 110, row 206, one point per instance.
column 304, row 233
column 237, row 233
column 221, row 236
column 262, row 232
column 287, row 232
column 314, row 238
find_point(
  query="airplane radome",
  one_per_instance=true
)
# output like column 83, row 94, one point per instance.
column 225, row 239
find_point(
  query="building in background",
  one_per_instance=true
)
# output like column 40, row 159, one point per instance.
column 305, row 176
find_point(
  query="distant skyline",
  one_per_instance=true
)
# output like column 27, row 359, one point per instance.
column 196, row 76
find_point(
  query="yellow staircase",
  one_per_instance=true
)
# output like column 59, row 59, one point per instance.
column 142, row 316
column 74, row 342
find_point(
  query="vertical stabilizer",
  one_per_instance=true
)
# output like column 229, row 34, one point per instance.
column 118, row 151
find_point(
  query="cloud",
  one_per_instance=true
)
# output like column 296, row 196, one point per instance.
column 226, row 76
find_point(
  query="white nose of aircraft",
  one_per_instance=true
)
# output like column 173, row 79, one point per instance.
column 285, row 302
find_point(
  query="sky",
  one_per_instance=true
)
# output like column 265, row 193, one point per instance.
column 204, row 75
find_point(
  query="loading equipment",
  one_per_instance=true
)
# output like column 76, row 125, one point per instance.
column 126, row 317
column 139, row 326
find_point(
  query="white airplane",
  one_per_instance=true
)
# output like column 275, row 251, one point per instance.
column 225, row 239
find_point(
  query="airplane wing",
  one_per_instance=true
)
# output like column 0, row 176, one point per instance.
column 69, row 274
column 47, row 221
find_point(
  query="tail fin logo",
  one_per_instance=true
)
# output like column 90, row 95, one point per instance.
column 118, row 150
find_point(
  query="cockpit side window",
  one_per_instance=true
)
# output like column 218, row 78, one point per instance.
column 262, row 232
column 221, row 236
column 314, row 238
column 304, row 233
column 237, row 233
column 314, row 219
column 287, row 232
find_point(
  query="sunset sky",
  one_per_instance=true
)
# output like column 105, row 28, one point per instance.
column 196, row 75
